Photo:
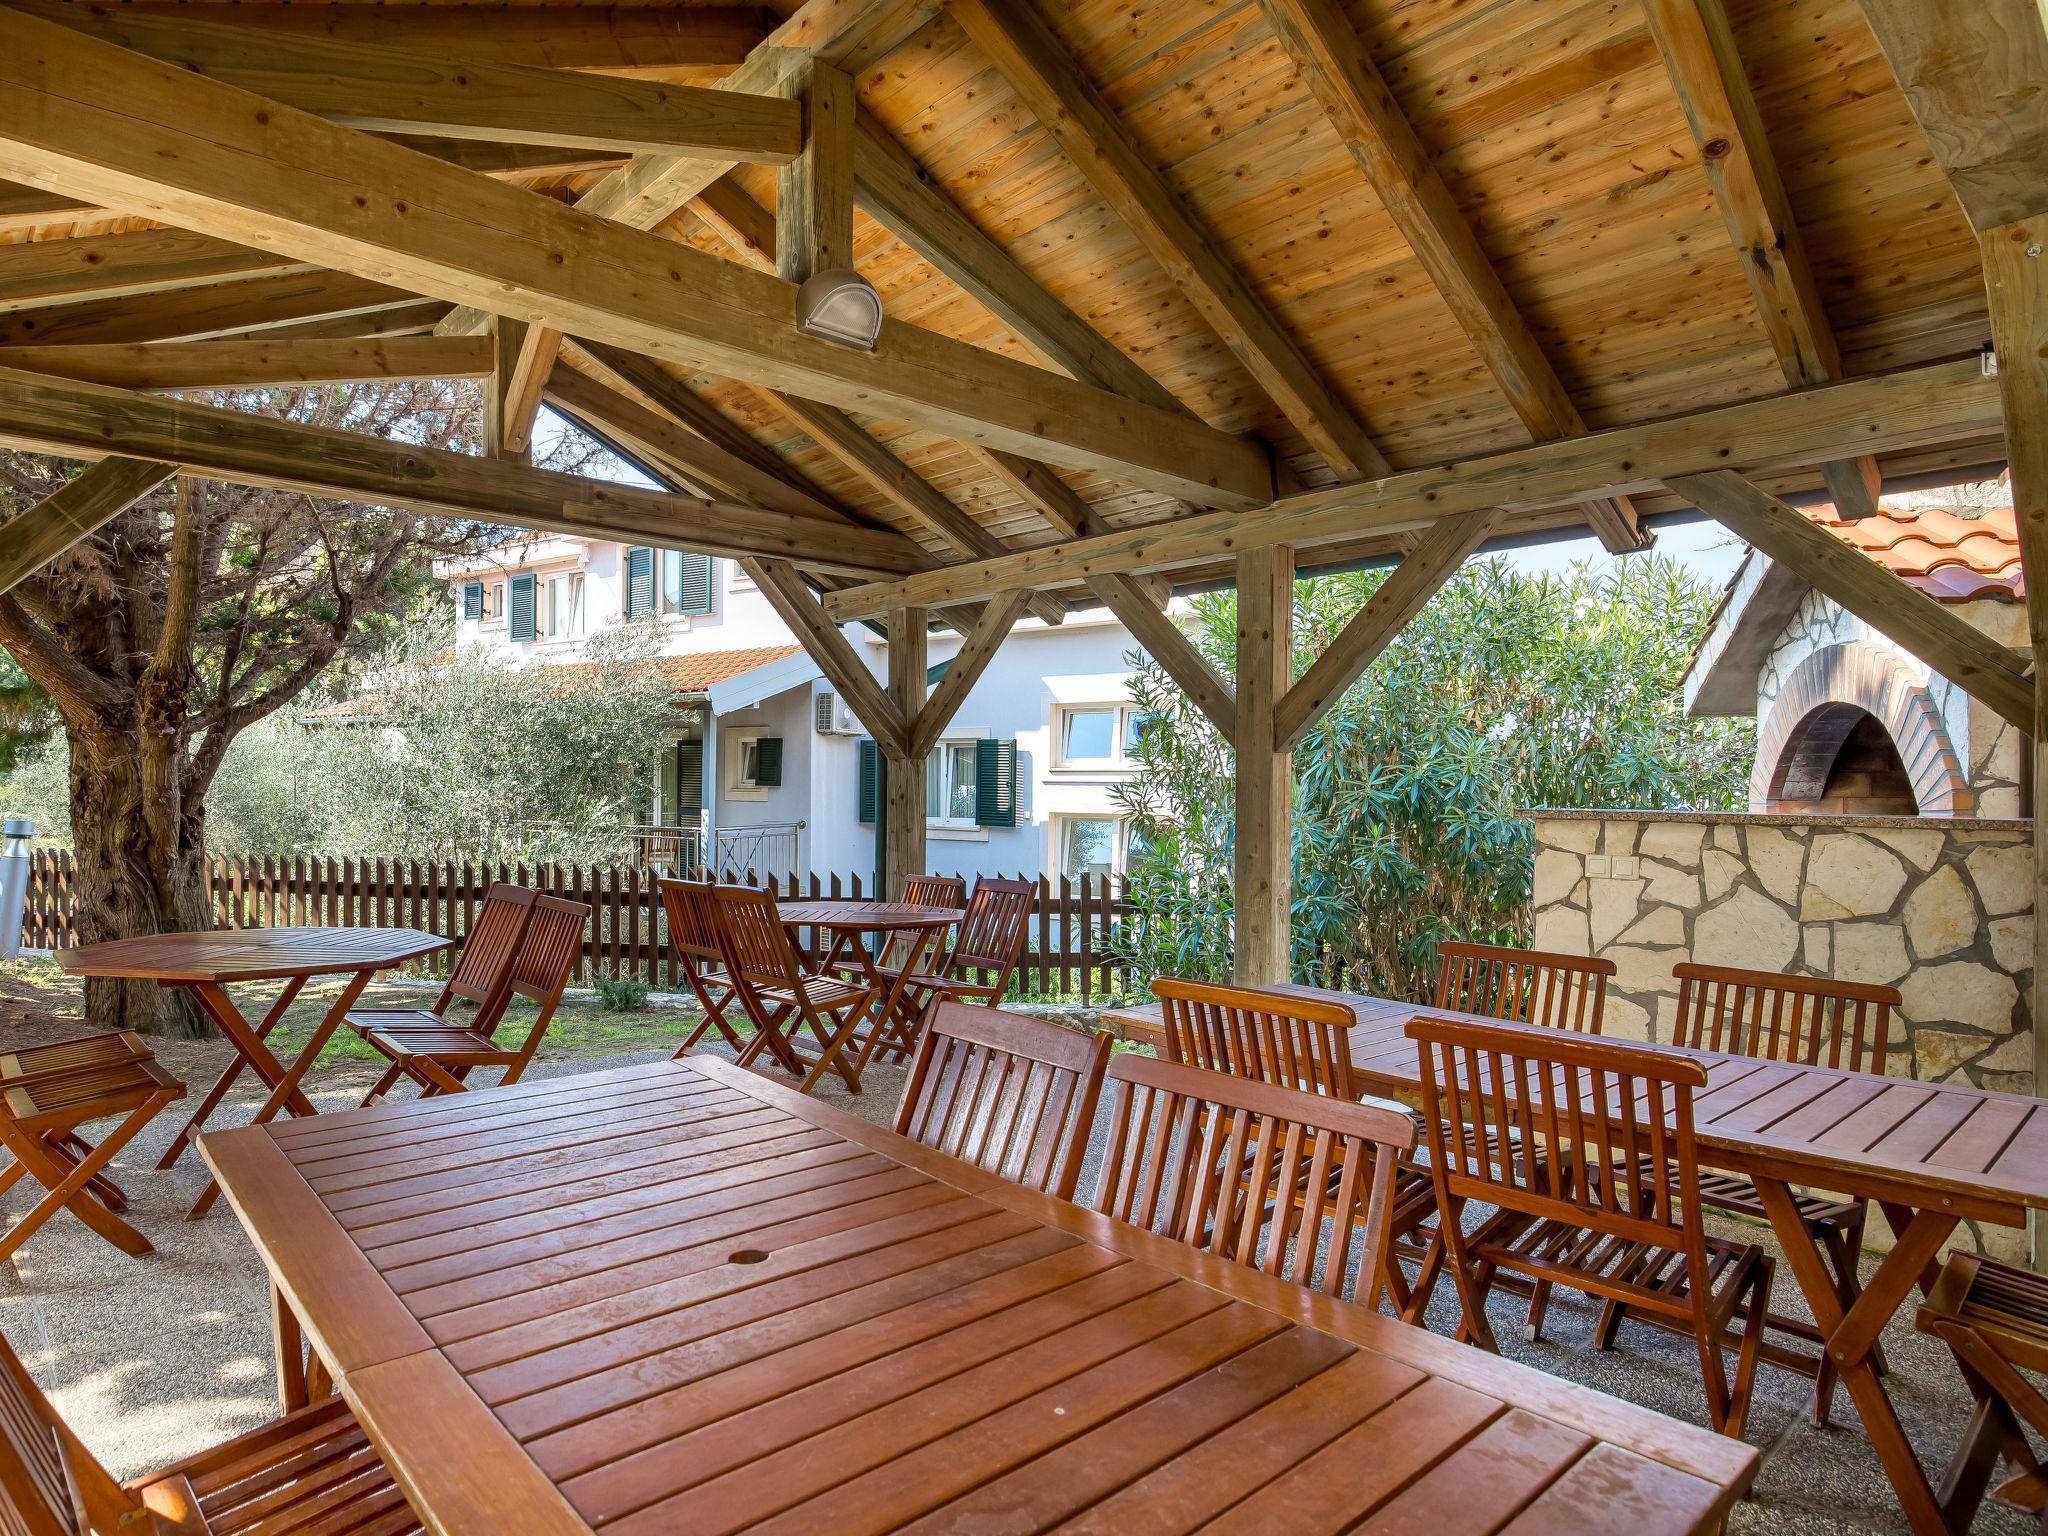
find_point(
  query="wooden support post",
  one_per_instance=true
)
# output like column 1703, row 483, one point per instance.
column 1264, row 859
column 903, row 800
column 2016, row 281
column 33, row 538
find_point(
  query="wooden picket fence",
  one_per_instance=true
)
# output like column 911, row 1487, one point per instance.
column 1067, row 957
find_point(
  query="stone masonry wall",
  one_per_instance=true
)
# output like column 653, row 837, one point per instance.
column 1940, row 908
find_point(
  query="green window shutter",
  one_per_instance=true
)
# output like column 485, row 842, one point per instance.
column 695, row 588
column 995, row 783
column 639, row 581
column 768, row 761
column 690, row 777
column 472, row 599
column 870, row 780
column 520, row 618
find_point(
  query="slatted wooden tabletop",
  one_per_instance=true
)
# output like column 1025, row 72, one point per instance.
column 249, row 954
column 679, row 1296
column 1965, row 1150
column 867, row 916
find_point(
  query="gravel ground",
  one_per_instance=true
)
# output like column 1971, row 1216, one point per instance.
column 158, row 1357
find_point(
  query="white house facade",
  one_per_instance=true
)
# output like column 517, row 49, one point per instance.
column 769, row 770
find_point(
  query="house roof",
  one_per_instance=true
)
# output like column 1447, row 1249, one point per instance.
column 1952, row 558
column 691, row 676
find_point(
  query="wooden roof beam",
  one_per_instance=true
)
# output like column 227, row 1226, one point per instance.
column 1320, row 39
column 258, row 361
column 1942, row 402
column 610, row 39
column 1706, row 70
column 37, row 273
column 1144, row 615
column 91, row 421
column 36, row 535
column 368, row 85
column 834, row 654
column 207, row 310
column 1024, row 51
column 963, row 671
column 82, row 116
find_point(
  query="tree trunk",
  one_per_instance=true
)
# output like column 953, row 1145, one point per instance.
column 140, row 870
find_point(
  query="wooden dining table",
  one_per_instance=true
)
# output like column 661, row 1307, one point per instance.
column 1930, row 1154
column 205, row 964
column 680, row 1296
column 851, row 924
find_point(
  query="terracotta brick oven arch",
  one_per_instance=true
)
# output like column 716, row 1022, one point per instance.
column 1852, row 730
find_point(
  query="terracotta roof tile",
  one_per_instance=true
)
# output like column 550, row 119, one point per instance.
column 1952, row 559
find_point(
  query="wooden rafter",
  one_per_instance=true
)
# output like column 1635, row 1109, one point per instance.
column 91, row 421
column 194, row 314
column 613, row 39
column 1939, row 636
column 35, row 536
column 1320, row 39
column 238, row 364
column 1944, row 402
column 45, row 272
column 182, row 146
column 369, row 85
column 792, row 601
column 1423, row 570
column 1025, row 53
column 526, row 357
column 964, row 670
column 1706, row 70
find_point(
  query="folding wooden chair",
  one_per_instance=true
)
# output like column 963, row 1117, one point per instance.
column 47, row 1092
column 1995, row 1318
column 1812, row 1021
column 1305, row 1044
column 440, row 1058
column 1268, row 1177
column 311, row 1473
column 482, row 976
column 1011, row 1094
column 1577, row 1220
column 782, row 995
column 1528, row 986
column 693, row 940
column 935, row 890
column 982, row 959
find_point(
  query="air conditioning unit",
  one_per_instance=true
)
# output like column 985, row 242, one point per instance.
column 833, row 718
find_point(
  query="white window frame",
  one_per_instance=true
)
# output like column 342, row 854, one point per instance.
column 735, row 754
column 1121, row 715
column 494, row 602
column 1120, row 852
column 572, row 585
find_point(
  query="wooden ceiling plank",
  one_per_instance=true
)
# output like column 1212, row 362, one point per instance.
column 963, row 670
column 1938, row 403
column 1700, row 55
column 1332, row 58
column 79, row 420
column 82, row 116
column 1973, row 73
column 36, row 535
column 832, row 651
column 1434, row 560
column 367, row 85
column 259, row 361
column 1024, row 51
column 614, row 39
column 893, row 190
column 1932, row 631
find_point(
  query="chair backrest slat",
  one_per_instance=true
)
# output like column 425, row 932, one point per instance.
column 756, row 947
column 42, row 1466
column 1808, row 1020
column 1011, row 1094
column 1527, row 986
column 1269, row 1037
column 1582, row 1109
column 483, row 971
column 992, row 933
column 1266, row 1176
column 935, row 891
column 550, row 950
column 692, row 926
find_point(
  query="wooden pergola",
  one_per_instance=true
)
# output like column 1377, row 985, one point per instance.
column 1183, row 294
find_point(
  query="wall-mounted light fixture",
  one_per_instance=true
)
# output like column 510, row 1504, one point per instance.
column 842, row 306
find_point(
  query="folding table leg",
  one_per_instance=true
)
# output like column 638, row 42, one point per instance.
column 1850, row 1335
column 65, row 1185
column 284, row 1092
column 288, row 1348
column 188, row 1133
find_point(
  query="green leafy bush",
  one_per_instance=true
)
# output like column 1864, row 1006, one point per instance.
column 621, row 994
column 1508, row 691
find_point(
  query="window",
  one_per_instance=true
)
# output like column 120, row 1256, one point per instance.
column 667, row 581
column 950, row 783
column 565, row 605
column 494, row 600
column 682, row 782
column 1101, row 735
column 756, row 764
column 1096, row 846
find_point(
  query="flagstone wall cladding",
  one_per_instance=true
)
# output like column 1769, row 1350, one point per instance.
column 1941, row 908
column 1986, row 747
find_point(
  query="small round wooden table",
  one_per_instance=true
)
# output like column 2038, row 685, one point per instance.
column 849, row 922
column 205, row 963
